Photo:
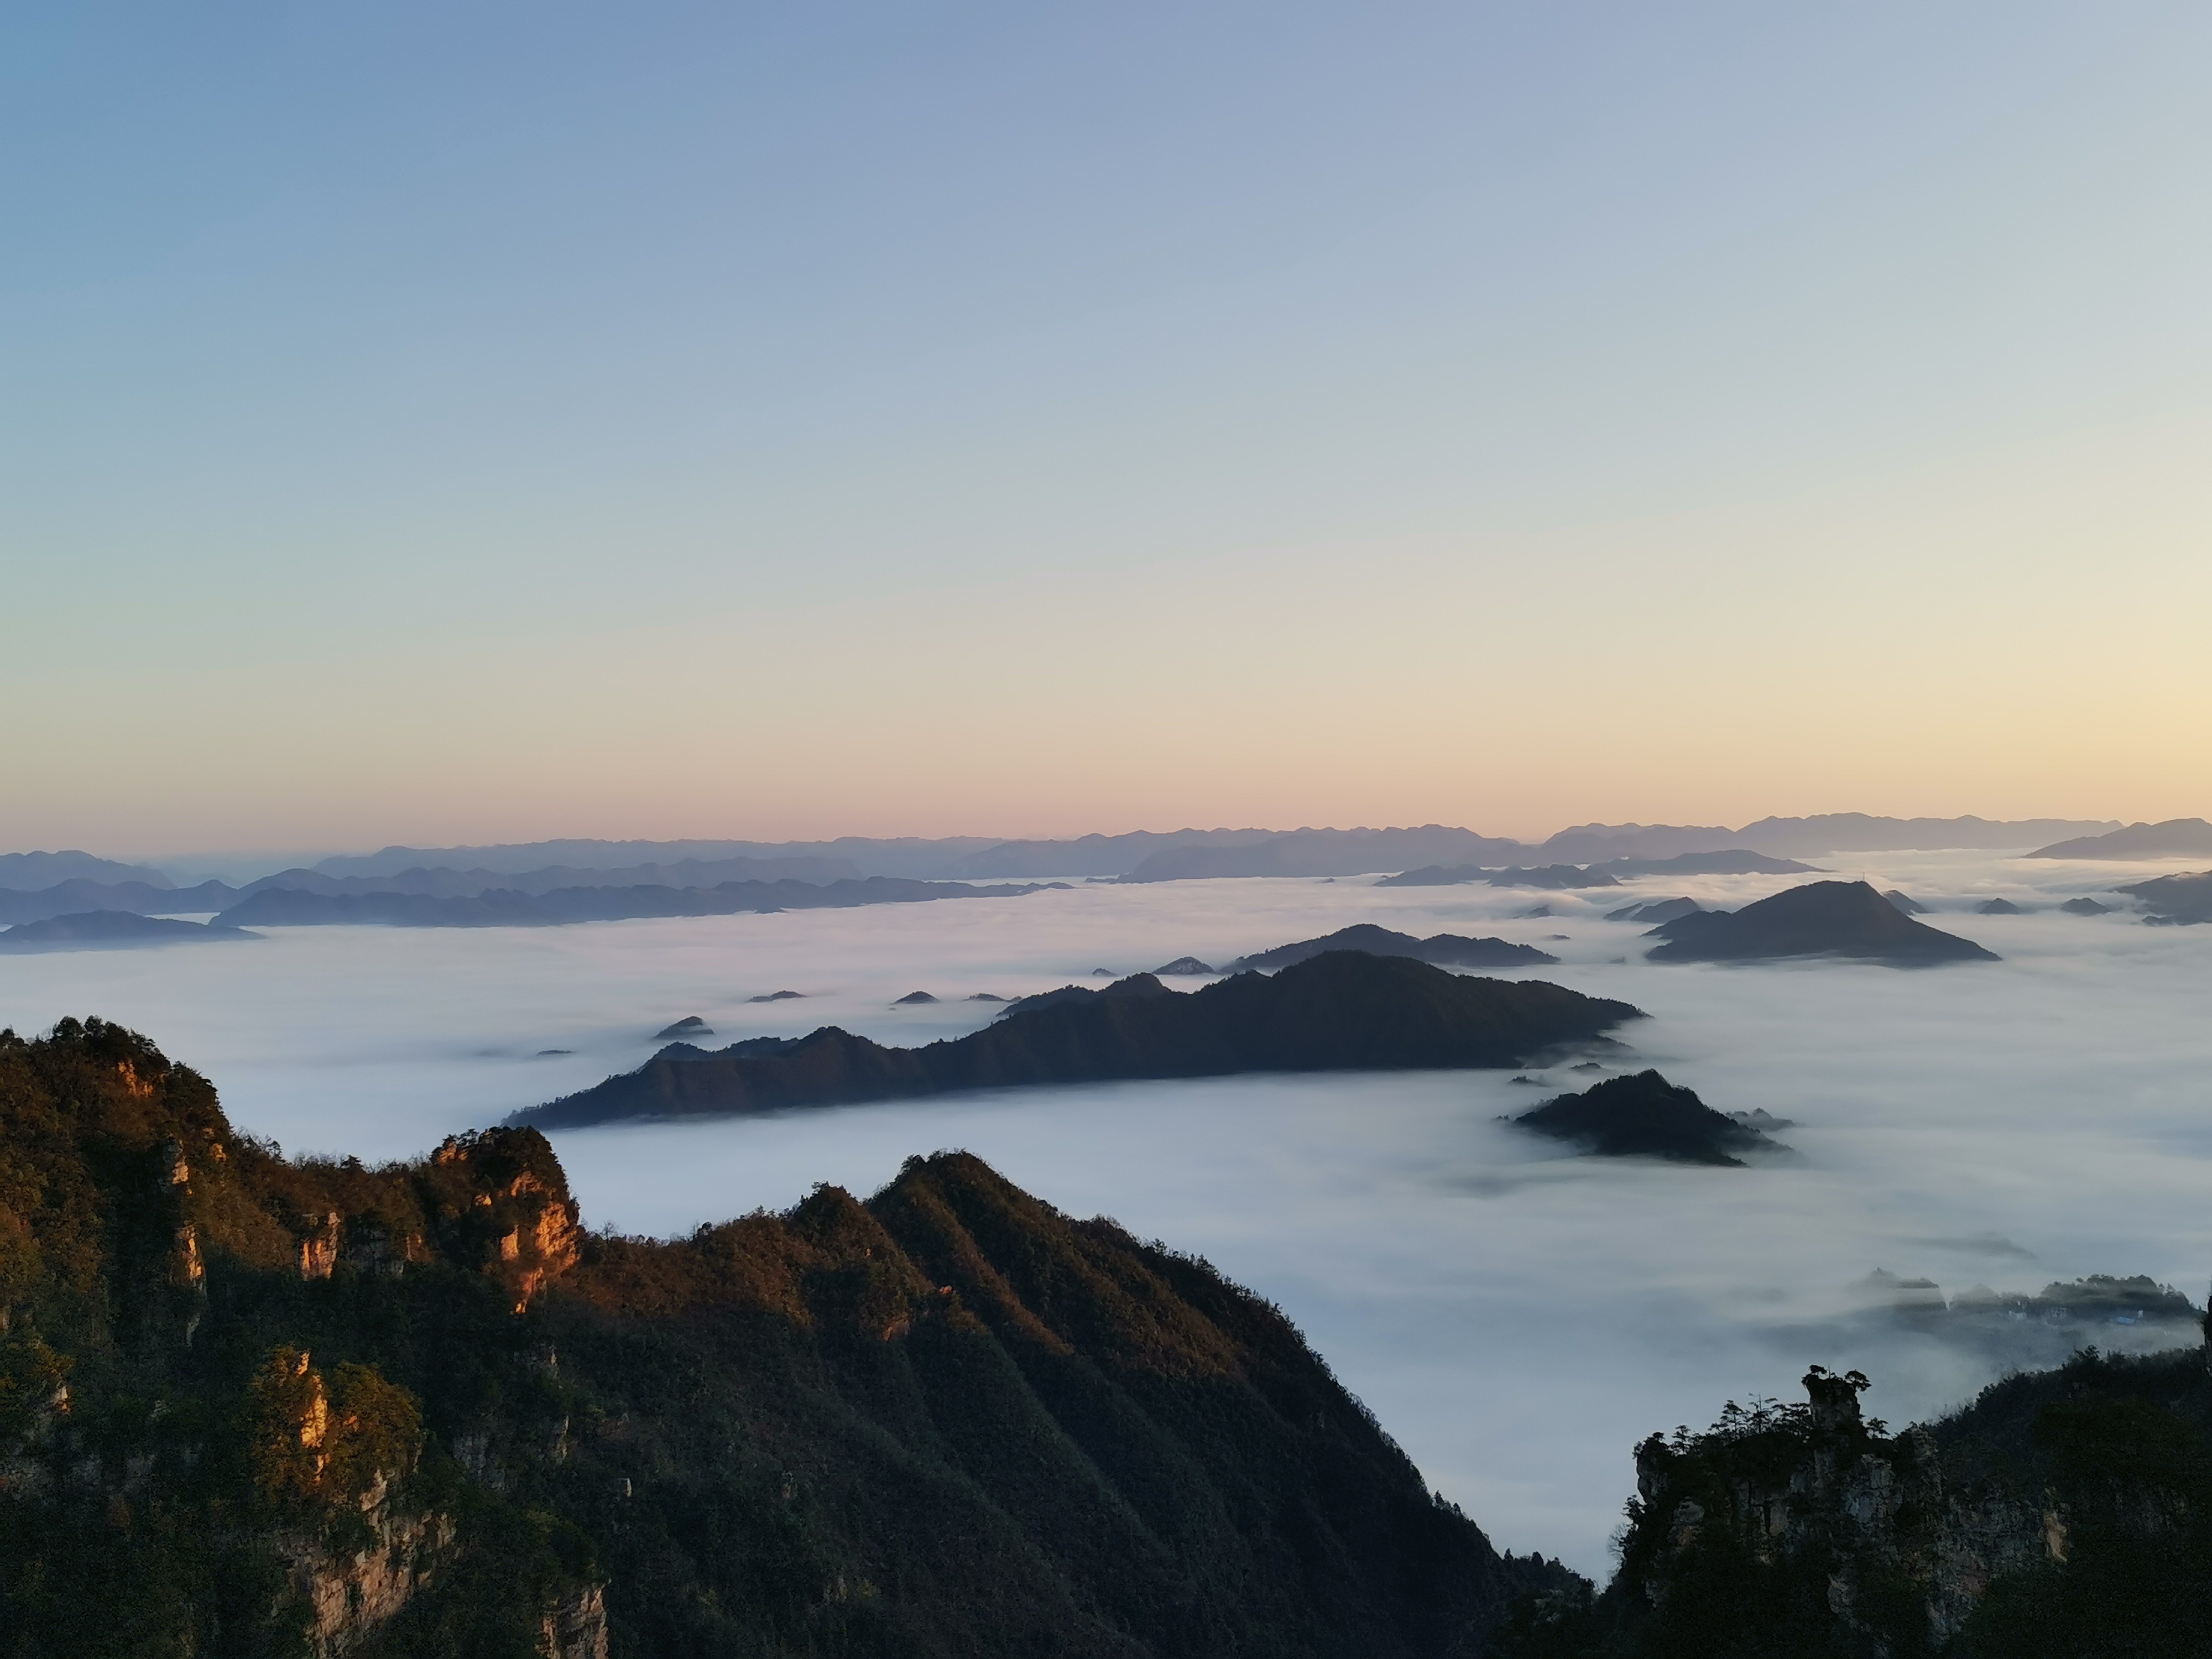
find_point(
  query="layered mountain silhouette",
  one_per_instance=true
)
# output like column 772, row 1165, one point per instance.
column 2185, row 899
column 1652, row 911
column 1552, row 877
column 1644, row 1115
column 1445, row 950
column 111, row 930
column 2176, row 838
column 1345, row 1011
column 144, row 898
column 286, row 907
column 27, row 872
column 1846, row 919
column 1728, row 861
column 1323, row 853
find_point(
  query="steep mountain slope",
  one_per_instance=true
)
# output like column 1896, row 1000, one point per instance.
column 257, row 1407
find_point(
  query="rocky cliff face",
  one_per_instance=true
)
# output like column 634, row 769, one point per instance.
column 1815, row 1494
column 2066, row 1514
column 200, row 1449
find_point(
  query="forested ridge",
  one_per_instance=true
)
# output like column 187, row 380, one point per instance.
column 256, row 1406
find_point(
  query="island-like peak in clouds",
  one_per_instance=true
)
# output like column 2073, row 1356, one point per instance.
column 1846, row 919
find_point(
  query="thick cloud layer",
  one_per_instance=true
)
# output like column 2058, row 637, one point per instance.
column 1516, row 1316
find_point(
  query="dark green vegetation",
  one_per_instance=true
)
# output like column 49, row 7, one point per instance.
column 288, row 907
column 111, row 930
column 1846, row 919
column 2066, row 1514
column 2171, row 899
column 2176, row 838
column 2085, row 906
column 1445, row 950
column 1644, row 1115
column 255, row 1406
column 1346, row 1011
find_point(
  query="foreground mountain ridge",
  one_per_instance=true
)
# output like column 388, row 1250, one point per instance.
column 254, row 1405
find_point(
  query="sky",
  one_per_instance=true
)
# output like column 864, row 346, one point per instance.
column 437, row 423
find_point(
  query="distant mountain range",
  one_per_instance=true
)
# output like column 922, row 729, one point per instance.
column 287, row 907
column 37, row 885
column 2176, row 838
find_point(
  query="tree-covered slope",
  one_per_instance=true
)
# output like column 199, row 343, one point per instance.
column 254, row 1406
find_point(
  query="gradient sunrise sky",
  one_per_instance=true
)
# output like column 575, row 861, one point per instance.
column 440, row 422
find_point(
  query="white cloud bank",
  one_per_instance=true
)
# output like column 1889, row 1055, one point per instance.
column 1516, row 1318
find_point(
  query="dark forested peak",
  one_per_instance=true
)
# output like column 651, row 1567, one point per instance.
column 1642, row 1115
column 1846, row 919
column 2175, row 838
column 684, row 1029
column 2175, row 898
column 1343, row 1010
column 2086, row 906
column 1445, row 949
column 1134, row 985
column 1905, row 904
column 1998, row 907
column 1185, row 968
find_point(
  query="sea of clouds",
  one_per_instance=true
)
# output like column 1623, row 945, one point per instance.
column 1517, row 1317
